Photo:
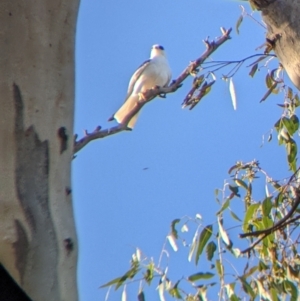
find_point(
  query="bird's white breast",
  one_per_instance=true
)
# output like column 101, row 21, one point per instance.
column 157, row 73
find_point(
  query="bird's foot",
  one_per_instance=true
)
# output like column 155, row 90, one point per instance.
column 142, row 96
column 156, row 87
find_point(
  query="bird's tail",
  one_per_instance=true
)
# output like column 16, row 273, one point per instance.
column 125, row 109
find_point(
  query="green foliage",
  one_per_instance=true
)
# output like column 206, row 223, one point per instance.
column 203, row 239
column 173, row 229
column 174, row 291
column 200, row 276
column 271, row 261
column 131, row 273
column 287, row 125
column 250, row 216
column 268, row 269
column 264, row 262
column 210, row 250
column 238, row 23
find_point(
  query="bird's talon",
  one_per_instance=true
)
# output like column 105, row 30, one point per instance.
column 154, row 70
column 142, row 96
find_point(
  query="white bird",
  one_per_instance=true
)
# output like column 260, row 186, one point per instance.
column 153, row 72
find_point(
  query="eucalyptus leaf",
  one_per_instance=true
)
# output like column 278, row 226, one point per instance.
column 267, row 206
column 238, row 24
column 249, row 215
column 210, row 250
column 200, row 275
column 203, row 239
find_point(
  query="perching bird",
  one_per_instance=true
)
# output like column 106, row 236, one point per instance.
column 153, row 72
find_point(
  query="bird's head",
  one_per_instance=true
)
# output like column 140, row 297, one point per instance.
column 157, row 50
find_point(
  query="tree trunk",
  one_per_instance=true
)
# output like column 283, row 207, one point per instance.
column 283, row 24
column 38, row 239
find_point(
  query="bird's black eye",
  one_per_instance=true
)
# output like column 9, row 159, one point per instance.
column 158, row 47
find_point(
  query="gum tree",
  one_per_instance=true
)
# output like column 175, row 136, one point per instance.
column 38, row 252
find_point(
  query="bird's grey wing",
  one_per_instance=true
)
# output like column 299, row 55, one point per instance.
column 169, row 79
column 136, row 76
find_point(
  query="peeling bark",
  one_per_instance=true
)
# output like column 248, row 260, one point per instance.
column 32, row 182
column 38, row 239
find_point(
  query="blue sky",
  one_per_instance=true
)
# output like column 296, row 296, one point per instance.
column 119, row 205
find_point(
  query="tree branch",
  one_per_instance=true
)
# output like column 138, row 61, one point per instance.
column 284, row 221
column 254, row 244
column 154, row 92
column 283, row 224
column 96, row 134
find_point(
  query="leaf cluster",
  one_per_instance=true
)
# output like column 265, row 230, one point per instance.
column 263, row 262
column 270, row 270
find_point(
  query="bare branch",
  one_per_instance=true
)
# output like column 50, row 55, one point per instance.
column 96, row 134
column 281, row 223
column 254, row 244
column 286, row 220
column 156, row 91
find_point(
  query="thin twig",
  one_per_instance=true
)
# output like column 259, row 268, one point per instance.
column 156, row 91
column 266, row 234
column 222, row 64
column 96, row 135
column 281, row 222
column 286, row 220
column 254, row 244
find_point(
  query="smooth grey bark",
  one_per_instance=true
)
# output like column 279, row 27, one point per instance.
column 37, row 75
column 283, row 24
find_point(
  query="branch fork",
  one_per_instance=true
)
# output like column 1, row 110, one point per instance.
column 150, row 94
